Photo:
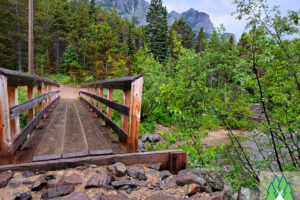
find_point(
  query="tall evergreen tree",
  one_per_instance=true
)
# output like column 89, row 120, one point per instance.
column 184, row 32
column 201, row 39
column 157, row 30
column 130, row 42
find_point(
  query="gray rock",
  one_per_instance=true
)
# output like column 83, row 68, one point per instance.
column 228, row 191
column 39, row 183
column 27, row 174
column 72, row 179
column 155, row 166
column 57, row 191
column 4, row 178
column 13, row 185
column 24, row 196
column 99, row 180
column 217, row 196
column 186, row 179
column 78, row 196
column 131, row 183
column 137, row 172
column 213, row 178
column 28, row 182
column 150, row 138
column 164, row 174
column 50, row 177
column 112, row 197
column 160, row 197
column 141, row 146
column 247, row 194
column 117, row 169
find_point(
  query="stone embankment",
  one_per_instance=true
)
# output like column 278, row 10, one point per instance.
column 115, row 182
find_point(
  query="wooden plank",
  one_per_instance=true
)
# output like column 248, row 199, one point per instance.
column 118, row 107
column 134, row 114
column 124, row 118
column 96, row 142
column 12, row 101
column 110, row 98
column 5, row 131
column 30, row 92
column 51, row 145
column 40, row 93
column 15, row 79
column 122, row 134
column 120, row 83
column 18, row 139
column 100, row 107
column 177, row 161
column 75, row 143
column 22, row 107
column 128, row 159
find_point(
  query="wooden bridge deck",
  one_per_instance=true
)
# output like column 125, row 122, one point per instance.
column 71, row 130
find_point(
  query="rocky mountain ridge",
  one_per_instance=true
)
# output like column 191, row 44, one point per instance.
column 137, row 10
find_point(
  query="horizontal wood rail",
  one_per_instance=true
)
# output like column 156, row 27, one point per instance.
column 15, row 111
column 11, row 137
column 130, row 109
column 118, row 107
column 172, row 160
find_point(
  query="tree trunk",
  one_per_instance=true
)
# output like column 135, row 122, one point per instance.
column 19, row 39
column 57, row 53
column 30, row 37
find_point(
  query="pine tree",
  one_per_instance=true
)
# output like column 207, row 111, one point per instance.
column 6, row 45
column 157, row 30
column 184, row 32
column 130, row 42
column 201, row 40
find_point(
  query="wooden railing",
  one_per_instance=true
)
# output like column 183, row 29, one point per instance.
column 130, row 108
column 11, row 137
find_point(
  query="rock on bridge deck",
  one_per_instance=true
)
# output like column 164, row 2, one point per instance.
column 71, row 130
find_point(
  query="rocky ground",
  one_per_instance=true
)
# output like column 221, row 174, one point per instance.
column 116, row 182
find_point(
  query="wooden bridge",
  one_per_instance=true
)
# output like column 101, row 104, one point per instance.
column 71, row 132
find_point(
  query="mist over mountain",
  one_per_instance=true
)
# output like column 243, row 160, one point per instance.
column 137, row 10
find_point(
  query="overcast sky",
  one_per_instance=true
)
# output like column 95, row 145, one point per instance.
column 220, row 11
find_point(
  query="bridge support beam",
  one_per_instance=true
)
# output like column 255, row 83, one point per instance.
column 6, row 152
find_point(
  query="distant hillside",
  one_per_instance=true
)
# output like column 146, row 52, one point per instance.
column 137, row 10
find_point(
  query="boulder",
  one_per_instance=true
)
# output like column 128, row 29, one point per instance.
column 4, row 178
column 99, row 180
column 155, row 166
column 186, row 179
column 150, row 138
column 111, row 197
column 39, row 183
column 131, row 183
column 218, row 196
column 72, row 179
column 213, row 178
column 137, row 172
column 192, row 189
column 78, row 196
column 117, row 169
column 13, row 185
column 160, row 197
column 24, row 196
column 164, row 174
column 27, row 174
column 57, row 191
column 200, row 196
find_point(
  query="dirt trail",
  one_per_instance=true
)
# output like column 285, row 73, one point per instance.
column 69, row 91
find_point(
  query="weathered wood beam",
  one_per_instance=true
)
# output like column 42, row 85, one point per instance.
column 161, row 157
column 120, row 83
column 124, row 118
column 135, row 114
column 5, row 131
column 122, row 134
column 12, row 101
column 118, row 107
column 15, row 79
column 19, row 139
column 15, row 111
column 30, row 91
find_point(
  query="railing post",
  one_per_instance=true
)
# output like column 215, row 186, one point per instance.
column 124, row 118
column 101, row 95
column 45, row 92
column 90, row 90
column 30, row 91
column 5, row 132
column 134, row 114
column 40, row 92
column 110, row 98
column 95, row 93
column 12, row 101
